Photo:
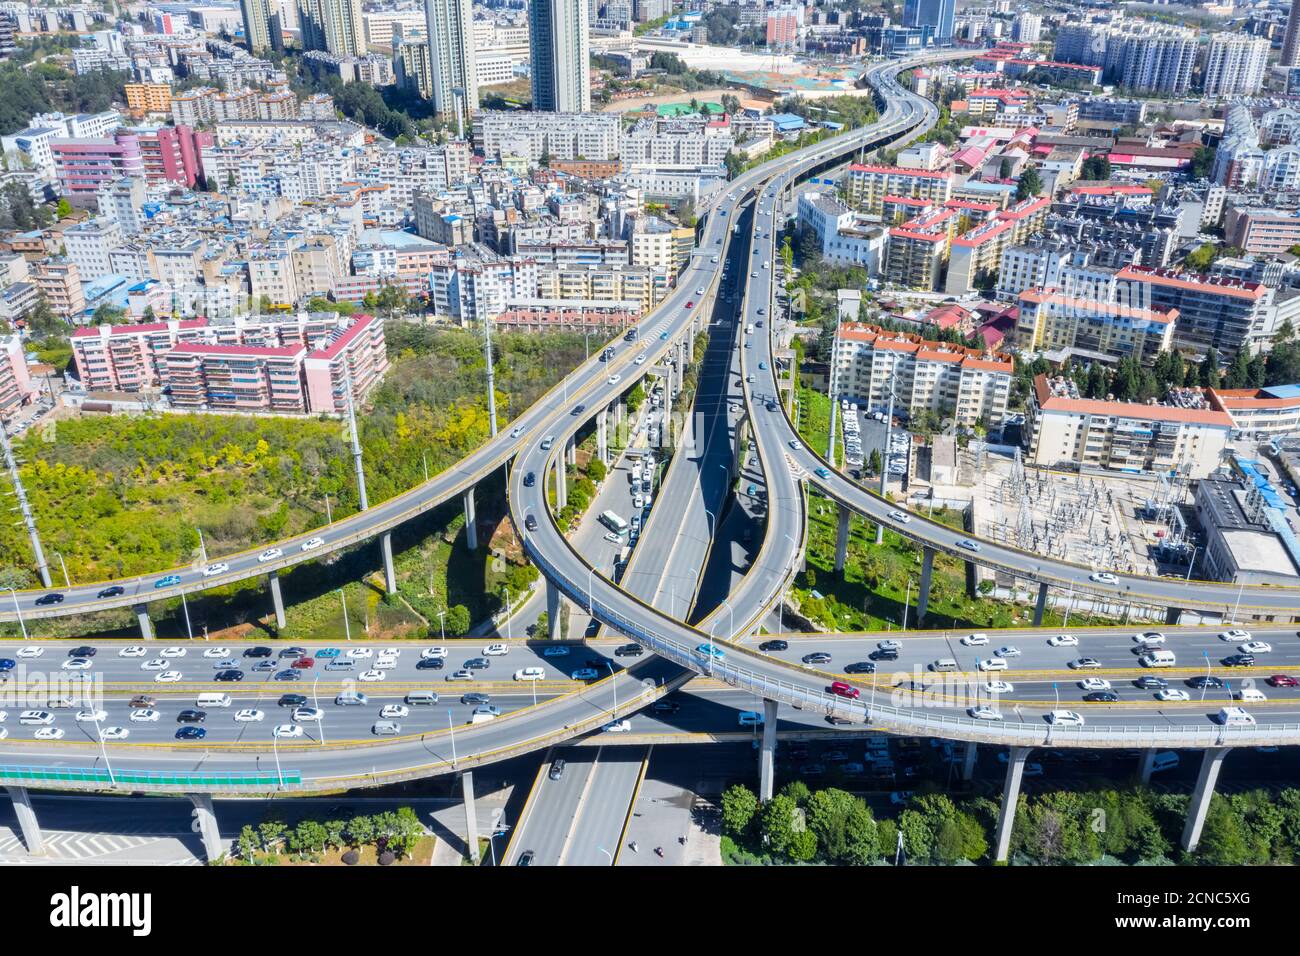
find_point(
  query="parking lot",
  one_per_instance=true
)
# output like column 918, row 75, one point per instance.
column 864, row 432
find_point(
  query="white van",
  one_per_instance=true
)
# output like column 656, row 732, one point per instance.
column 530, row 673
column 214, row 700
column 386, row 728
column 1157, row 657
column 1249, row 693
column 1236, row 717
column 421, row 697
column 351, row 698
column 944, row 664
column 750, row 718
column 993, row 664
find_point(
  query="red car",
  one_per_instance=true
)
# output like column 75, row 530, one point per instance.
column 1282, row 680
column 303, row 663
column 841, row 689
column 691, row 304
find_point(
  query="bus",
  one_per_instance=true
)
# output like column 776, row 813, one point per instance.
column 613, row 522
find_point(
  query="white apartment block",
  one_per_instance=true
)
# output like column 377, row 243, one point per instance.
column 89, row 243
column 590, row 136
column 1235, row 64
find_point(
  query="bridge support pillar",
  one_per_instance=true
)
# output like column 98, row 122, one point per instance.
column 767, row 752
column 1172, row 614
column 689, row 343
column 972, row 579
column 27, row 822
column 571, row 453
column 471, row 520
column 390, row 576
column 273, row 579
column 1201, row 796
column 1041, row 606
column 552, row 611
column 1010, row 795
column 968, row 763
column 1147, row 764
column 561, row 483
column 842, row 539
column 204, row 823
column 602, row 437
column 923, row 595
column 146, row 625
column 471, row 817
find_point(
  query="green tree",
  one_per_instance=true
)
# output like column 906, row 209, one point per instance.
column 458, row 620
column 1209, row 369
column 739, row 807
column 1223, row 838
column 777, row 826
column 307, row 837
column 1029, row 184
column 64, row 209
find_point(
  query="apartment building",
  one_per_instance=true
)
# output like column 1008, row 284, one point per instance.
column 918, row 250
column 355, row 358
column 16, row 388
column 570, row 136
column 1087, row 329
column 867, row 186
column 976, row 254
column 1272, row 411
column 143, row 99
column 1188, row 438
column 60, row 282
column 1213, row 311
column 235, row 377
column 1263, row 231
column 967, row 384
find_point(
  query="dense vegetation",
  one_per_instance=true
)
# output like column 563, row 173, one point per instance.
column 394, row 833
column 47, row 87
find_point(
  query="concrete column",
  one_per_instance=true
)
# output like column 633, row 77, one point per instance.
column 204, row 823
column 972, row 580
column 561, row 483
column 1041, row 606
column 471, row 520
column 690, row 343
column 572, row 451
column 390, row 576
column 471, row 817
column 968, row 764
column 1148, row 761
column 842, row 539
column 767, row 752
column 923, row 595
column 1201, row 796
column 602, row 437
column 273, row 579
column 27, row 822
column 1172, row 614
column 1010, row 794
column 146, row 625
column 552, row 611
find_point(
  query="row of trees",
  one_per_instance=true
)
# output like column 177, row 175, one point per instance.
column 47, row 87
column 394, row 835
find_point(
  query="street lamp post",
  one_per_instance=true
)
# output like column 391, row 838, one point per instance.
column 315, row 702
column 67, row 582
column 505, row 594
column 613, row 685
column 203, row 551
column 451, row 726
column 19, row 611
column 185, row 606
column 442, row 623
column 347, row 628
column 275, row 748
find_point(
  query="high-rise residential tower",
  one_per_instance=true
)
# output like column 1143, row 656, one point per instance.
column 333, row 25
column 560, row 55
column 451, row 56
column 262, row 27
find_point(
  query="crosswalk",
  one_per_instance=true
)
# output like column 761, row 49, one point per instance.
column 76, row 846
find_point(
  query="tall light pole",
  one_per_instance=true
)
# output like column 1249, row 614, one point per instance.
column 347, row 629
column 275, row 748
column 315, row 702
column 203, row 548
column 356, row 442
column 884, row 457
column 491, row 375
column 613, row 685
column 505, row 596
column 19, row 611
column 442, row 623
column 67, row 582
column 185, row 606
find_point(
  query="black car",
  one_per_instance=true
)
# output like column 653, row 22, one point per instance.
column 817, row 657
column 191, row 716
column 665, row 707
column 292, row 700
column 1151, row 683
column 228, row 675
column 525, row 858
column 474, row 698
column 477, row 664
column 112, row 591
column 595, row 663
column 860, row 667
column 429, row 664
column 578, row 410
column 884, row 654
column 1204, row 682
column 1239, row 660
column 191, row 733
column 557, row 768
column 530, row 479
column 288, row 675
column 83, row 651
column 260, row 651
column 293, row 653
column 774, row 646
column 629, row 650
column 530, row 522
column 1101, row 697
column 52, row 598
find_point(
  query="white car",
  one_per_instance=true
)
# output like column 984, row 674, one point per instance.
column 357, row 652
column 372, row 675
column 993, row 664
column 248, row 716
column 1235, row 635
column 219, row 568
column 77, row 664
column 614, row 379
column 795, row 445
column 433, row 653
column 496, row 650
column 1149, row 638
column 157, row 664
column 391, row 711
column 312, row 713
column 984, row 712
column 889, row 645
column 1103, row 577
column 311, row 544
column 385, row 663
column 1007, row 651
column 640, row 360
column 516, row 431
column 1063, row 640
column 36, row 651
column 222, row 652
column 287, row 730
column 35, row 717
column 132, row 650
column 1064, row 717
column 172, row 651
column 168, row 677
column 999, row 687
column 612, row 538
column 91, row 716
column 1094, row 683
column 114, row 733
column 146, row 716
column 975, row 640
column 900, row 516
column 1172, row 693
column 50, row 733
column 1256, row 647
column 270, row 554
column 530, row 673
column 617, row 727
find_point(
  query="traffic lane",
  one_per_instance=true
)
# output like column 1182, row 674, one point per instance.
column 605, row 807
column 551, row 817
